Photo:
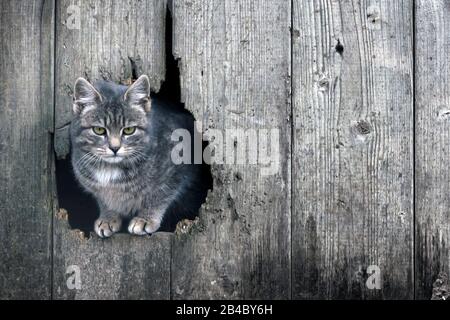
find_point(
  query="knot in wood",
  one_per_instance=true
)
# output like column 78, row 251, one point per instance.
column 363, row 127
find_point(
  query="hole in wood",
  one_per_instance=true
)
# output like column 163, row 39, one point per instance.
column 82, row 207
column 339, row 48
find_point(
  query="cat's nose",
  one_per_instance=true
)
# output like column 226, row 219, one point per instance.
column 114, row 144
column 114, row 149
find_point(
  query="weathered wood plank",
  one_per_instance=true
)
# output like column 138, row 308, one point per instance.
column 432, row 144
column 111, row 35
column 26, row 122
column 235, row 62
column 112, row 40
column 122, row 267
column 352, row 150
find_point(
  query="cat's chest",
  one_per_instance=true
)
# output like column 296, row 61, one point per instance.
column 108, row 176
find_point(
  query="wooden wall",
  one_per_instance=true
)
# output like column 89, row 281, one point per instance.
column 26, row 127
column 358, row 91
column 353, row 148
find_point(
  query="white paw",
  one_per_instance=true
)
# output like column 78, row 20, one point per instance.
column 107, row 227
column 142, row 226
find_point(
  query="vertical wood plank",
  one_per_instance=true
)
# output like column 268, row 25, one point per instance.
column 122, row 267
column 432, row 143
column 117, row 40
column 26, row 118
column 235, row 75
column 352, row 150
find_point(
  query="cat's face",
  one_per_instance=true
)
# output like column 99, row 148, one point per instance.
column 111, row 123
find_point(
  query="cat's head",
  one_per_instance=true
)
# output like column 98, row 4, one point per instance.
column 110, row 123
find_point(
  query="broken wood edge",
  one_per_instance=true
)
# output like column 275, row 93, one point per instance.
column 62, row 215
column 441, row 288
column 187, row 227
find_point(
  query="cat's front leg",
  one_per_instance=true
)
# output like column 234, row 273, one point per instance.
column 141, row 226
column 107, row 224
column 148, row 220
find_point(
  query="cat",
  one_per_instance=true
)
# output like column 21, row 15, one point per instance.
column 121, row 154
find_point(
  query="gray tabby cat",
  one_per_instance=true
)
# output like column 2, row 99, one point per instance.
column 121, row 146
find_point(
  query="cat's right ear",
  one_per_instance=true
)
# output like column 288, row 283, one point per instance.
column 85, row 96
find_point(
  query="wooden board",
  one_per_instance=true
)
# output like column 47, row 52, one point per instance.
column 121, row 267
column 352, row 148
column 114, row 40
column 26, row 124
column 112, row 34
column 235, row 61
column 432, row 147
column 363, row 112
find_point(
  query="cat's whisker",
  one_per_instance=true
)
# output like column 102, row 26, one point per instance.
column 82, row 158
column 84, row 162
column 137, row 152
column 87, row 159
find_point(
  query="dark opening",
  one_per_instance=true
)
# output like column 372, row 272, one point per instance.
column 81, row 207
column 339, row 47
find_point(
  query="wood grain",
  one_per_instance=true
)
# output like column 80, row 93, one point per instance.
column 26, row 123
column 121, row 267
column 353, row 148
column 432, row 148
column 112, row 35
column 361, row 107
column 235, row 61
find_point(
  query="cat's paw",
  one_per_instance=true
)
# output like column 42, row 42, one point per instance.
column 105, row 227
column 142, row 226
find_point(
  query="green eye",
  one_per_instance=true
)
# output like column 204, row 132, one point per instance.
column 99, row 130
column 129, row 130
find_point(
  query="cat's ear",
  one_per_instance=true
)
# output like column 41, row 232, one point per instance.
column 138, row 94
column 85, row 95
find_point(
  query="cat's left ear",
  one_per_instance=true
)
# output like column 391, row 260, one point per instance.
column 138, row 94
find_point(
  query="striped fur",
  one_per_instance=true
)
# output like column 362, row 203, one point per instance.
column 139, row 184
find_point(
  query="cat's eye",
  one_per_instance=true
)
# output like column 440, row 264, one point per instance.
column 129, row 130
column 99, row 130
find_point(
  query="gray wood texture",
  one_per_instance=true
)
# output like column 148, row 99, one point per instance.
column 122, row 267
column 353, row 148
column 112, row 35
column 114, row 40
column 26, row 123
column 234, row 58
column 432, row 147
column 357, row 89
